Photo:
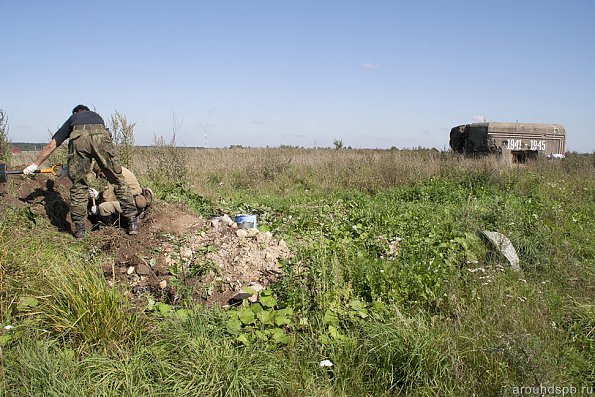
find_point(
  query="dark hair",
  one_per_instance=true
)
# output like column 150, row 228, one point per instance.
column 80, row 108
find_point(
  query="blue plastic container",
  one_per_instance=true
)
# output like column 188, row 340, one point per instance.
column 246, row 221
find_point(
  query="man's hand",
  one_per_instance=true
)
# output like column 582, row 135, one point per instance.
column 30, row 170
column 93, row 193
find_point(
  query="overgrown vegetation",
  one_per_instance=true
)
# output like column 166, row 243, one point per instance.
column 123, row 136
column 5, row 148
column 390, row 282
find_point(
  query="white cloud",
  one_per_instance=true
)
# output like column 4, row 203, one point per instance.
column 479, row 119
column 371, row 66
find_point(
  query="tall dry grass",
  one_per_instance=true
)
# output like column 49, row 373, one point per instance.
column 123, row 136
column 213, row 171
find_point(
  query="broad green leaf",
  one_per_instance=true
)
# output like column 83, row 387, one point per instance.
column 333, row 332
column 280, row 337
column 182, row 314
column 357, row 305
column 234, row 326
column 248, row 290
column 261, row 335
column 330, row 317
column 164, row 308
column 268, row 301
column 243, row 339
column 288, row 311
column 256, row 308
column 263, row 228
column 246, row 316
column 266, row 317
column 282, row 320
column 4, row 339
column 27, row 302
column 233, row 314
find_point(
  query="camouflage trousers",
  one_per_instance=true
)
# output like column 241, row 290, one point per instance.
column 87, row 144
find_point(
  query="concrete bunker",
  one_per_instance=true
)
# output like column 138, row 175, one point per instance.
column 518, row 142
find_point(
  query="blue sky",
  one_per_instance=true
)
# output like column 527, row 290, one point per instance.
column 374, row 74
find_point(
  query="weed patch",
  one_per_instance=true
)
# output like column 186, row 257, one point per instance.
column 389, row 282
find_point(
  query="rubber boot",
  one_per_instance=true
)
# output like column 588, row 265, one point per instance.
column 133, row 227
column 79, row 231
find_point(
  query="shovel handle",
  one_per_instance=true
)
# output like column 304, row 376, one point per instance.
column 51, row 170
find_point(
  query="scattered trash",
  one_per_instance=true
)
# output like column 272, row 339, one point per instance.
column 326, row 363
column 246, row 221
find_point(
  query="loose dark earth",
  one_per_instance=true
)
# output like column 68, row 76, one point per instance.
column 176, row 255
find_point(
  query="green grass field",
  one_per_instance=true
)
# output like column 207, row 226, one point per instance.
column 390, row 281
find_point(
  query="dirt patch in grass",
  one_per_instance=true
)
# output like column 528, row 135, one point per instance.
column 46, row 196
column 176, row 255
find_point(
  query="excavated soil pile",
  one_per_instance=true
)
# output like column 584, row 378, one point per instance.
column 44, row 196
column 176, row 254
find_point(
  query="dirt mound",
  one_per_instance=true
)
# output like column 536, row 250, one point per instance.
column 176, row 255
column 45, row 196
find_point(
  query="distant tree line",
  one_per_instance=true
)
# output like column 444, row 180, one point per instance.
column 26, row 147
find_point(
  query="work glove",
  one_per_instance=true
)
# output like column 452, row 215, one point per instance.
column 30, row 169
column 93, row 193
column 94, row 210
